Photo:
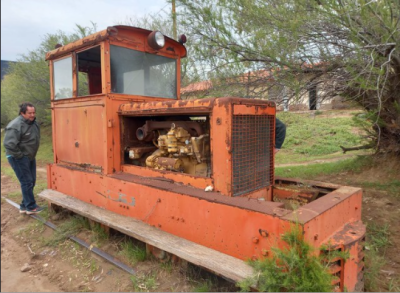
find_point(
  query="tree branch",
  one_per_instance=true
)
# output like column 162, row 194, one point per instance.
column 363, row 147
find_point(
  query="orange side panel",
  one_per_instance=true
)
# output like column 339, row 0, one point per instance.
column 79, row 133
column 321, row 218
column 233, row 230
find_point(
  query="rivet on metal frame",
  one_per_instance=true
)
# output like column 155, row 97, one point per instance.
column 263, row 233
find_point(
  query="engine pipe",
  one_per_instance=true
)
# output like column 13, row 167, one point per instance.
column 145, row 133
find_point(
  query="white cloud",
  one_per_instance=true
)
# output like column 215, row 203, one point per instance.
column 25, row 23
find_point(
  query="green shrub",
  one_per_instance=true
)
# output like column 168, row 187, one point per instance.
column 293, row 269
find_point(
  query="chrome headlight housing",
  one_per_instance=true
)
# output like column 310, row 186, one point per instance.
column 156, row 40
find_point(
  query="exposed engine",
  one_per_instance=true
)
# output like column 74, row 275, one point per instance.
column 179, row 146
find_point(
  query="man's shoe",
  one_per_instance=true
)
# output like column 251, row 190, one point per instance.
column 22, row 211
column 34, row 211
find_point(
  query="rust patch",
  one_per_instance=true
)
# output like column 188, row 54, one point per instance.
column 81, row 166
column 349, row 235
column 167, row 107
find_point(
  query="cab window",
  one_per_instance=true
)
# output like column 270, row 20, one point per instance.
column 140, row 73
column 89, row 72
column 63, row 78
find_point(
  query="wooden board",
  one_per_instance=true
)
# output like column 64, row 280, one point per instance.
column 221, row 264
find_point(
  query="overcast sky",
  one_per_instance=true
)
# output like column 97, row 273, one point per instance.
column 25, row 23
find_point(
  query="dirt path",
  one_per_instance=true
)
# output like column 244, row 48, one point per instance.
column 15, row 254
column 319, row 161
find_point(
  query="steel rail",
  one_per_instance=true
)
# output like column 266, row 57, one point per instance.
column 95, row 250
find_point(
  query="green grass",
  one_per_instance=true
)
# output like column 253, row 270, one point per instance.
column 377, row 241
column 66, row 229
column 311, row 171
column 99, row 235
column 144, row 283
column 33, row 230
column 167, row 266
column 204, row 286
column 132, row 253
column 392, row 187
column 394, row 285
column 378, row 237
column 45, row 152
column 318, row 137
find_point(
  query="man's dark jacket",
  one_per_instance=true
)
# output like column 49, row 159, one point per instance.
column 280, row 133
column 22, row 138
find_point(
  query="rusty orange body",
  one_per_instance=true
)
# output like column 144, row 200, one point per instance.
column 243, row 215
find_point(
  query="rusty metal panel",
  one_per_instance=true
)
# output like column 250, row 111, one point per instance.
column 349, row 274
column 124, row 34
column 79, row 131
column 251, row 109
column 85, row 42
column 170, row 207
column 167, row 107
column 252, row 147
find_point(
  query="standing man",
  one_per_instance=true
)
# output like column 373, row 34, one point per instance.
column 280, row 134
column 21, row 141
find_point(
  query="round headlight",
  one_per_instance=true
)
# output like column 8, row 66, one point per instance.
column 156, row 40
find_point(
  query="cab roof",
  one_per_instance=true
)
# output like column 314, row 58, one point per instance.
column 118, row 32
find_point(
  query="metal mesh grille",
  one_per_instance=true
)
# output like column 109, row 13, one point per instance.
column 252, row 149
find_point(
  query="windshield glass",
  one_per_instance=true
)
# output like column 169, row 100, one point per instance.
column 140, row 73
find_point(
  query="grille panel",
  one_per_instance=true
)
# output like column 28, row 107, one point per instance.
column 252, row 150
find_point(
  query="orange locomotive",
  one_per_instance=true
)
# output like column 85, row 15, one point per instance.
column 202, row 170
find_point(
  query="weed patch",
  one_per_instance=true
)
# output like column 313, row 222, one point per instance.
column 392, row 187
column 377, row 241
column 99, row 235
column 132, row 253
column 205, row 286
column 167, row 266
column 144, row 283
column 34, row 229
column 394, row 285
column 68, row 228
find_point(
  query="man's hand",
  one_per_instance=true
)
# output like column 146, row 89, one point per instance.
column 276, row 150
